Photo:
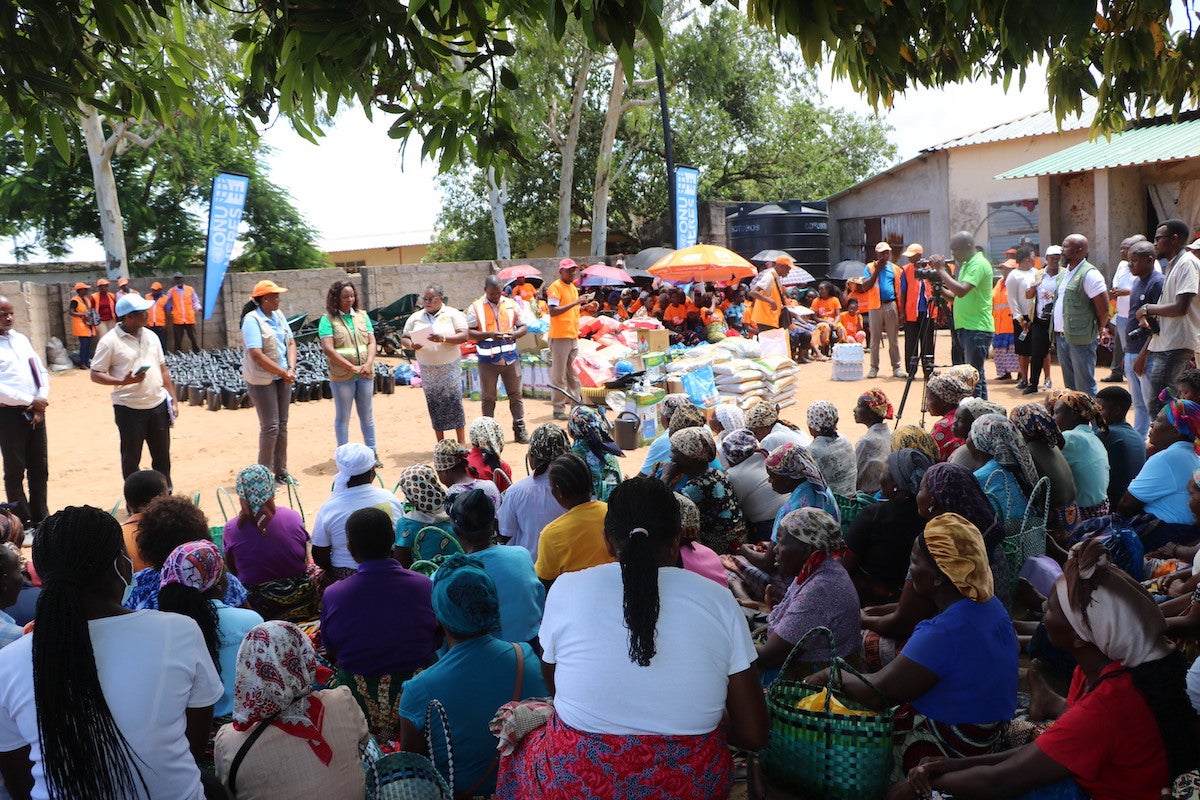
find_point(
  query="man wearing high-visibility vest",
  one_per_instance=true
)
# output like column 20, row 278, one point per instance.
column 183, row 304
column 156, row 315
column 494, row 324
column 767, row 294
column 878, row 291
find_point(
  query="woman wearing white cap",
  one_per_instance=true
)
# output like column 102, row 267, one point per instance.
column 1043, row 286
column 269, row 369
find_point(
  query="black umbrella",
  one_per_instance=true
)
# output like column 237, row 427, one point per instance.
column 769, row 255
column 645, row 259
column 844, row 270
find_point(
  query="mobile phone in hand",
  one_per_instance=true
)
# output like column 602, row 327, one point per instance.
column 141, row 370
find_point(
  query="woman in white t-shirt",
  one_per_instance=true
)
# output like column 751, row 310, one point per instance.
column 102, row 702
column 644, row 660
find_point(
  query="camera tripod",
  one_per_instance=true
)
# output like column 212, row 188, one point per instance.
column 937, row 302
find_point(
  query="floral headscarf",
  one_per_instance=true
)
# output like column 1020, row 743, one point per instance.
column 197, row 565
column 422, row 488
column 730, row 417
column 548, row 442
column 877, row 401
column 686, row 417
column 486, row 434
column 739, row 445
column 1081, row 403
column 794, row 461
column 464, row 597
column 762, row 415
column 694, row 443
column 1036, row 424
column 977, row 407
column 950, row 387
column 1184, row 416
column 913, row 437
column 953, row 488
column 689, row 516
column 670, row 404
column 448, row 454
column 822, row 417
column 585, row 426
column 256, row 485
column 813, row 527
column 994, row 435
column 276, row 668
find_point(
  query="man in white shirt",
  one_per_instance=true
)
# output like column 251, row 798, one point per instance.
column 129, row 358
column 1080, row 313
column 1122, row 283
column 1016, row 284
column 1175, row 319
column 24, row 395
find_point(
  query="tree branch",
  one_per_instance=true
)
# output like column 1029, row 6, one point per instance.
column 628, row 104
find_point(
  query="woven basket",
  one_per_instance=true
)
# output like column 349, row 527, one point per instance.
column 822, row 754
column 594, row 396
column 410, row 776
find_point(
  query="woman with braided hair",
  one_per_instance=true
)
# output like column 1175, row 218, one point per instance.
column 80, row 717
column 619, row 640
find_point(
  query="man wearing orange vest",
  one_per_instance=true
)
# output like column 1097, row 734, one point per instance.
column 157, row 314
column 494, row 324
column 915, row 298
column 878, row 292
column 183, row 304
column 767, row 294
column 83, row 327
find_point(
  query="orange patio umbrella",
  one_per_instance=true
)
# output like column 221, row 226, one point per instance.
column 703, row 262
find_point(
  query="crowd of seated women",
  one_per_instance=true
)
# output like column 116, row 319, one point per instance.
column 611, row 638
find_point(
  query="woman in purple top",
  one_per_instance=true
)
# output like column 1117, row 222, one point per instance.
column 822, row 594
column 266, row 547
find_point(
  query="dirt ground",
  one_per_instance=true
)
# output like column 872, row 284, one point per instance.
column 209, row 448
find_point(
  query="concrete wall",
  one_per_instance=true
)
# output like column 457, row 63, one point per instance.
column 1076, row 206
column 920, row 186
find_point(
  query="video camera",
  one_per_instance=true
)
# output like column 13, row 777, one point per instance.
column 927, row 273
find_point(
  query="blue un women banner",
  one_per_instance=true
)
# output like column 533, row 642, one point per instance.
column 687, row 212
column 224, row 217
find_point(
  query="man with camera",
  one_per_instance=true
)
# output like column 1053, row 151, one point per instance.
column 971, row 292
column 878, row 292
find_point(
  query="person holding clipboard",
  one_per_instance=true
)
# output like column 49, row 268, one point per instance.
column 24, row 395
column 435, row 334
column 129, row 358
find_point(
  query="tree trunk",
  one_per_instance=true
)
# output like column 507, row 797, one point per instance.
column 566, row 180
column 604, row 164
column 111, row 225
column 497, row 197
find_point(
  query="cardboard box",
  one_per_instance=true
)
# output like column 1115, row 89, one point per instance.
column 674, row 385
column 645, row 405
column 653, row 341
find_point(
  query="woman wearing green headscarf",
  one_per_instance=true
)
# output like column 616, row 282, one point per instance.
column 478, row 674
column 267, row 549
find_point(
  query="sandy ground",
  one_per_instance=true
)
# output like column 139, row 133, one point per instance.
column 209, row 448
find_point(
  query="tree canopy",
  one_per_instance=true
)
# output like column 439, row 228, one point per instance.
column 748, row 116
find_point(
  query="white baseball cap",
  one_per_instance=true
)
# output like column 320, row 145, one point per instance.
column 130, row 303
column 1053, row 250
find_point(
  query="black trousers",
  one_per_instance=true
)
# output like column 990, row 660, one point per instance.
column 1039, row 334
column 914, row 341
column 151, row 427
column 161, row 332
column 23, row 447
column 190, row 330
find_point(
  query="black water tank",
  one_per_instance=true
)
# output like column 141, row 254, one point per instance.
column 799, row 227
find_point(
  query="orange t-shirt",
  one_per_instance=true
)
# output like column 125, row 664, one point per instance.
column 827, row 309
column 566, row 324
column 525, row 291
column 708, row 316
column 676, row 314
column 851, row 322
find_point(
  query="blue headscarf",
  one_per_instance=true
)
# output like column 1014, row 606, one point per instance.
column 464, row 597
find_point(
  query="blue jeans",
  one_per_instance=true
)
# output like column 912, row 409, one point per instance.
column 1139, row 388
column 357, row 392
column 1162, row 370
column 975, row 345
column 1078, row 362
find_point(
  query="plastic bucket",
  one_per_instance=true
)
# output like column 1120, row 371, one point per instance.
column 625, row 430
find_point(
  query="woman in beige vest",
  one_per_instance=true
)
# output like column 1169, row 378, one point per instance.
column 348, row 339
column 269, row 369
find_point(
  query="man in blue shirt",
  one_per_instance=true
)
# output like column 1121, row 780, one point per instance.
column 884, row 319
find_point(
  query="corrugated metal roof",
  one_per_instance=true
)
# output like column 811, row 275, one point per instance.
column 1039, row 123
column 1149, row 145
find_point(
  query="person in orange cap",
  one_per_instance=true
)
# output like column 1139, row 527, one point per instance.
column 878, row 292
column 105, row 303
column 123, row 288
column 916, row 297
column 83, row 323
column 767, row 294
column 183, row 304
column 269, row 369
column 157, row 314
column 565, row 304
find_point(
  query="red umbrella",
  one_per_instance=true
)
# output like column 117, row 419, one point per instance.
column 517, row 271
column 605, row 275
